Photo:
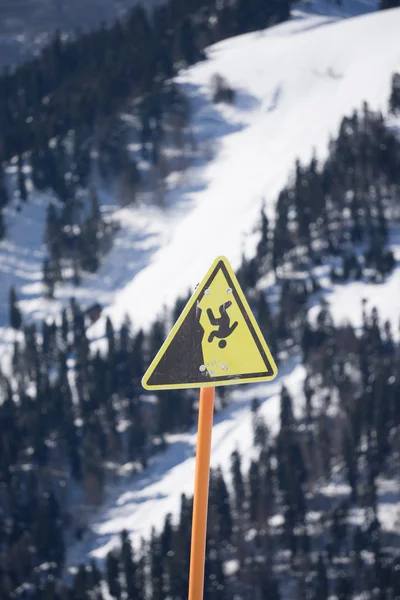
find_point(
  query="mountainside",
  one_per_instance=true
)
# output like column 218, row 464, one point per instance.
column 288, row 104
column 313, row 501
column 293, row 84
column 26, row 25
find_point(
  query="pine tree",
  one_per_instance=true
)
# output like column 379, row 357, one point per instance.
column 81, row 155
column 189, row 49
column 2, row 226
column 282, row 242
column 80, row 583
column 237, row 478
column 219, row 495
column 110, row 337
column 263, row 244
column 14, row 312
column 112, row 574
column 254, row 492
column 64, row 326
column 260, row 428
column 23, row 194
column 214, row 577
column 157, row 557
column 265, row 322
column 286, row 412
column 343, row 586
column 128, row 567
column 395, row 577
column 292, row 472
column 94, row 205
column 384, row 4
column 268, row 586
column 322, row 582
column 4, row 197
column 394, row 101
column 95, row 575
column 48, row 279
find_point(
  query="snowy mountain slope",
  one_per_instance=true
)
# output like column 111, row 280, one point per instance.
column 294, row 83
column 315, row 66
column 27, row 25
column 264, row 126
column 143, row 502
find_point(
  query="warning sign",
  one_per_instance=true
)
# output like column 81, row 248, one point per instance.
column 216, row 340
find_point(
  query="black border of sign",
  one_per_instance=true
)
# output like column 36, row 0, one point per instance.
column 271, row 371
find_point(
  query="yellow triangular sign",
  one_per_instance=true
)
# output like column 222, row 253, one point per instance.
column 215, row 341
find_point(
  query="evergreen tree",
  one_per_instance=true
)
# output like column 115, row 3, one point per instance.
column 189, row 49
column 321, row 582
column 384, row 4
column 128, row 567
column 2, row 226
column 48, row 279
column 219, row 499
column 157, row 556
column 110, row 337
column 255, row 492
column 113, row 574
column 263, row 244
column 265, row 322
column 343, row 586
column 237, row 479
column 214, row 577
column 282, row 242
column 15, row 313
column 4, row 197
column 394, row 101
column 23, row 194
column 286, row 411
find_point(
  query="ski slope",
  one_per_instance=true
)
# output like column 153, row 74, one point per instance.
column 293, row 83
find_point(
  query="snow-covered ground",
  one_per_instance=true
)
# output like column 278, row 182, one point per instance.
column 293, row 85
column 143, row 502
column 347, row 301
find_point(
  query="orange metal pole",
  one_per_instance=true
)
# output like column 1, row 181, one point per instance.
column 200, row 501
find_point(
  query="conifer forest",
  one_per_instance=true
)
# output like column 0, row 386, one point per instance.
column 102, row 114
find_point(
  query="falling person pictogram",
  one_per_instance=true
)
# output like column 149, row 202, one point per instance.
column 223, row 322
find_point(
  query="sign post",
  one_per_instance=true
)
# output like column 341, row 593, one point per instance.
column 200, row 500
column 215, row 341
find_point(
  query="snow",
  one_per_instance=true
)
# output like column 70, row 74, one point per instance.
column 389, row 505
column 143, row 502
column 313, row 67
column 293, row 84
column 319, row 67
column 346, row 301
